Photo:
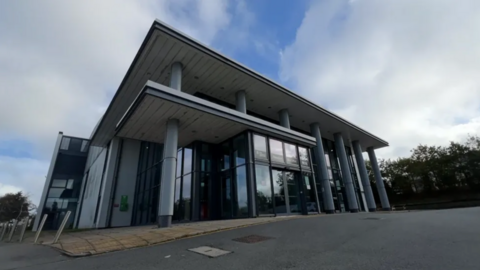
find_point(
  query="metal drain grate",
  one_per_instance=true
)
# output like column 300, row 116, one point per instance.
column 249, row 239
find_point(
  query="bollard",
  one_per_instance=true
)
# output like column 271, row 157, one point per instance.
column 12, row 231
column 40, row 227
column 24, row 227
column 59, row 232
column 4, row 230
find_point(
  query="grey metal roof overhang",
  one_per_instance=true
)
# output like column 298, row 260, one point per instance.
column 199, row 119
column 213, row 74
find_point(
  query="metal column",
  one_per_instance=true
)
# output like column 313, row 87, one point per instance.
column 169, row 165
column 176, row 76
column 346, row 174
column 322, row 170
column 357, row 149
column 379, row 180
column 284, row 118
column 241, row 102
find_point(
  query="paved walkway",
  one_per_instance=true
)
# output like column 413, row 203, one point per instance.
column 92, row 242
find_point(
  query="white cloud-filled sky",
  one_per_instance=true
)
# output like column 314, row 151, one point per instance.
column 408, row 71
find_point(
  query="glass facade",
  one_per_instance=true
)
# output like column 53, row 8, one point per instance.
column 64, row 190
column 182, row 210
column 284, row 180
column 233, row 178
column 145, row 209
column 213, row 181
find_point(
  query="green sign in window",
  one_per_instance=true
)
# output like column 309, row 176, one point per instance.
column 124, row 203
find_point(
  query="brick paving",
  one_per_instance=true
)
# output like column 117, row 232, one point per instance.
column 92, row 242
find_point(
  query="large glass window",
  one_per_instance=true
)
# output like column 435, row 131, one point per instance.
column 241, row 187
column 145, row 208
column 206, row 158
column 291, row 154
column 264, row 190
column 225, row 159
column 239, row 150
column 186, row 196
column 187, row 160
column 179, row 162
column 183, row 185
column 304, row 160
column 65, row 143
column 260, row 146
column 310, row 192
column 276, row 151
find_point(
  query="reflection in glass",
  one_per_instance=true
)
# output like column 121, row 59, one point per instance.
column 226, row 196
column 225, row 159
column 206, row 158
column 327, row 160
column 55, row 192
column 242, row 197
column 176, row 207
column 59, row 183
column 293, row 192
column 239, row 150
column 291, row 154
column 179, row 163
column 279, row 192
column 310, row 192
column 187, row 160
column 70, row 184
column 204, row 195
column 186, row 196
column 260, row 145
column 276, row 151
column 304, row 160
column 264, row 190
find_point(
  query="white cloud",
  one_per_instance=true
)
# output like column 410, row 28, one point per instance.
column 23, row 174
column 62, row 61
column 405, row 70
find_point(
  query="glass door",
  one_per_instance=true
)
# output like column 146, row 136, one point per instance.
column 286, row 192
column 227, row 195
column 279, row 192
column 293, row 192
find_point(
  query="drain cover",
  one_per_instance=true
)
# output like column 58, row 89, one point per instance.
column 210, row 251
column 252, row 239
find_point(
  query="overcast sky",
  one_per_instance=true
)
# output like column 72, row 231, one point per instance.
column 407, row 71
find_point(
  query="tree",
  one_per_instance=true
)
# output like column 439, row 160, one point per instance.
column 15, row 206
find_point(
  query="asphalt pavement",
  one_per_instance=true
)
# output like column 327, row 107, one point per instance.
column 441, row 239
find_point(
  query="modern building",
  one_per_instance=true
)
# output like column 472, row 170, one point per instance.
column 63, row 182
column 193, row 135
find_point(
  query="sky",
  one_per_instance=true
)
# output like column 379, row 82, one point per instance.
column 407, row 71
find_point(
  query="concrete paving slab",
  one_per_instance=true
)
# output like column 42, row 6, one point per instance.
column 210, row 251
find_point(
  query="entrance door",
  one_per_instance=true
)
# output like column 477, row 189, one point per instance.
column 286, row 192
column 227, row 196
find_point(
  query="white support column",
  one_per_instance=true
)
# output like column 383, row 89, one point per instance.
column 357, row 149
column 241, row 101
column 359, row 179
column 346, row 174
column 322, row 170
column 176, row 76
column 379, row 180
column 167, row 188
column 169, row 165
column 284, row 118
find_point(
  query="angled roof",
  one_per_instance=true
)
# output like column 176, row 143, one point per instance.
column 210, row 73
